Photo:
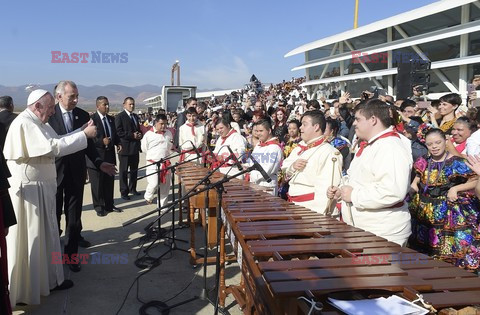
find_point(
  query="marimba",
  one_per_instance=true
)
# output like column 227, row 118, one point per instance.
column 286, row 251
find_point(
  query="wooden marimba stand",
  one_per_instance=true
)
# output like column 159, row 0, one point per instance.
column 286, row 251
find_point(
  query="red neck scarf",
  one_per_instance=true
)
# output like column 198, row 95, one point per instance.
column 193, row 128
column 364, row 144
column 228, row 135
column 304, row 148
column 269, row 142
column 459, row 147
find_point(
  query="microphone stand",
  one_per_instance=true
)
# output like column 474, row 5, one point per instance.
column 218, row 186
column 203, row 295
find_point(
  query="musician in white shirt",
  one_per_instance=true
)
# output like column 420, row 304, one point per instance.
column 378, row 178
column 312, row 164
column 228, row 137
column 269, row 154
column 191, row 132
column 157, row 144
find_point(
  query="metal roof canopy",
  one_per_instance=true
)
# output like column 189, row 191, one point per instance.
column 415, row 14
column 457, row 30
column 372, row 74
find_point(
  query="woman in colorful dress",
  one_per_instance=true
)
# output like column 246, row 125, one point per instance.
column 444, row 209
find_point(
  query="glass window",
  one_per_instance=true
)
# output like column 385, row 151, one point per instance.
column 368, row 40
column 474, row 12
column 432, row 22
column 319, row 53
column 444, row 49
column 474, row 43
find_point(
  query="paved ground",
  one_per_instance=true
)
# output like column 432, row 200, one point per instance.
column 102, row 288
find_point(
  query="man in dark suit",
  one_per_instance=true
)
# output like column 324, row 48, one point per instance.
column 72, row 169
column 128, row 130
column 102, row 184
column 6, row 117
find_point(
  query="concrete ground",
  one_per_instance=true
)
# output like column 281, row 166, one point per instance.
column 104, row 288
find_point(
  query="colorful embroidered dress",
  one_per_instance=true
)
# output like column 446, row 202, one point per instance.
column 443, row 229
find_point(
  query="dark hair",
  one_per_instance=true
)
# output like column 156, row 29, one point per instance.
column 334, row 125
column 101, row 98
column 202, row 105
column 435, row 103
column 296, row 122
column 452, row 98
column 191, row 110
column 437, row 131
column 313, row 103
column 6, row 102
column 223, row 121
column 259, row 113
column 472, row 125
column 128, row 98
column 377, row 108
column 317, row 117
column 160, row 117
column 407, row 103
column 265, row 123
column 189, row 100
column 284, row 116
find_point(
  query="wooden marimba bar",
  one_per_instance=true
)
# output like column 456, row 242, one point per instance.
column 287, row 251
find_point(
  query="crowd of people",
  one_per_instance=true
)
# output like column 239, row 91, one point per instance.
column 405, row 171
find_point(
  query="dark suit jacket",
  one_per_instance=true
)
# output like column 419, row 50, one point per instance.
column 107, row 154
column 74, row 162
column 6, row 118
column 125, row 130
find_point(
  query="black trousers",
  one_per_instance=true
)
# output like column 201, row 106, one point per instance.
column 102, row 189
column 69, row 199
column 128, row 181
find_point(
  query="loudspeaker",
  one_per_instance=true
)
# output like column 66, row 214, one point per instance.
column 411, row 74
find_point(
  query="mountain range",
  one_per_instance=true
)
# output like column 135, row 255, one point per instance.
column 88, row 94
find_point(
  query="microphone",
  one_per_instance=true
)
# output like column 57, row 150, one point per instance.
column 259, row 168
column 199, row 156
column 235, row 160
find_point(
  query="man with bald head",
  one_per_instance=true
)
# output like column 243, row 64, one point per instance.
column 33, row 245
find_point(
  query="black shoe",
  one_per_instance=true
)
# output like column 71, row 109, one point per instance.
column 116, row 209
column 67, row 284
column 75, row 267
column 125, row 197
column 136, row 193
column 84, row 243
column 101, row 214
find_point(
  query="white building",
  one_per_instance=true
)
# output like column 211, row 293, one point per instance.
column 447, row 32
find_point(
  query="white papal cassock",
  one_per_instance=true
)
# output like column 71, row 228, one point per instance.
column 30, row 151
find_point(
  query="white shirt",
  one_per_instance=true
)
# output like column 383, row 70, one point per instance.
column 473, row 143
column 380, row 178
column 156, row 145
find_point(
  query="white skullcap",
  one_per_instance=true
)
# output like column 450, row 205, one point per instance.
column 35, row 96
